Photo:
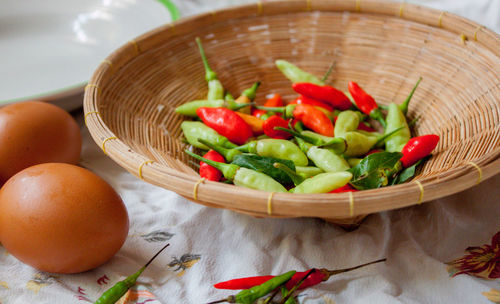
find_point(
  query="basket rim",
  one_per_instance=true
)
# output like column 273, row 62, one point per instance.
column 342, row 205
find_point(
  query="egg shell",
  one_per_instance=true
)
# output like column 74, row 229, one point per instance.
column 61, row 218
column 36, row 132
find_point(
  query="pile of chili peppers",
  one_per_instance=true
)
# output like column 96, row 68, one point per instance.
column 324, row 141
column 255, row 288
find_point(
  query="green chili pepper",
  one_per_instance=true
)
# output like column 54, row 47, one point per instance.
column 323, row 183
column 284, row 293
column 327, row 160
column 265, row 165
column 195, row 129
column 278, row 148
column 114, row 294
column 189, row 108
column 295, row 74
column 228, row 97
column 215, row 88
column 249, row 296
column 243, row 177
column 396, row 119
column 404, row 106
column 347, row 121
column 307, row 172
column 353, row 162
column 358, row 144
column 229, row 154
column 336, row 144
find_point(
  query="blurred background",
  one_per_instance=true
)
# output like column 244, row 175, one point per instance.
column 50, row 48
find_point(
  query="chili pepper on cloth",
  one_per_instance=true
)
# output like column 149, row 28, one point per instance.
column 227, row 123
column 365, row 102
column 215, row 88
column 271, row 123
column 418, row 148
column 319, row 276
column 278, row 148
column 312, row 102
column 209, row 172
column 328, row 94
column 396, row 119
column 243, row 177
column 249, row 296
column 247, row 97
column 256, row 124
column 189, row 108
column 194, row 129
column 274, row 101
column 114, row 294
column 295, row 74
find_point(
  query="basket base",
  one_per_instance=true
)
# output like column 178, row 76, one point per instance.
column 348, row 224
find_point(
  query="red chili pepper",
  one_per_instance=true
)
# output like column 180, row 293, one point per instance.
column 314, row 278
column 346, row 188
column 314, row 119
column 365, row 102
column 271, row 123
column 227, row 123
column 209, row 172
column 312, row 102
column 364, row 127
column 325, row 93
column 418, row 148
column 274, row 101
column 373, row 151
column 243, row 283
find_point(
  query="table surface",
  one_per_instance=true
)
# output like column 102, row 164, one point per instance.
column 210, row 245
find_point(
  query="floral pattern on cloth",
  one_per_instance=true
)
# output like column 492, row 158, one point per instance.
column 138, row 294
column 493, row 295
column 482, row 262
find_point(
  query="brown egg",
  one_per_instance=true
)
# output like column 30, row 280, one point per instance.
column 36, row 132
column 61, row 218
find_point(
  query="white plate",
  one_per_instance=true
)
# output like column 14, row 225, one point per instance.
column 48, row 49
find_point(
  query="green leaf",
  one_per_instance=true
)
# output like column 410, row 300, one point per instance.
column 376, row 170
column 407, row 173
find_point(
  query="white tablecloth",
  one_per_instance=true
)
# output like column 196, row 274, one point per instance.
column 210, row 245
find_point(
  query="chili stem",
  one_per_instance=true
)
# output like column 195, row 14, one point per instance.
column 385, row 136
column 218, row 301
column 406, row 103
column 154, row 257
column 297, row 286
column 209, row 73
column 268, row 300
column 333, row 272
column 328, row 72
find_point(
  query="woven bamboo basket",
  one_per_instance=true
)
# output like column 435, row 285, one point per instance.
column 385, row 46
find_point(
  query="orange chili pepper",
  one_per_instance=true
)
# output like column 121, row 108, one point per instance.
column 314, row 119
column 254, row 122
column 273, row 101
